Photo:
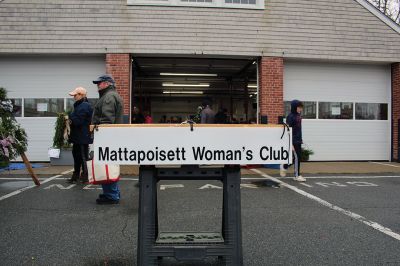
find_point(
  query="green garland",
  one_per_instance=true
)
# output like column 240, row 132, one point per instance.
column 13, row 138
column 58, row 139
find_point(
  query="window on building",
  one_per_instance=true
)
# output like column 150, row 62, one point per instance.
column 69, row 106
column 196, row 1
column 335, row 110
column 152, row 2
column 243, row 2
column 17, row 107
column 371, row 111
column 309, row 109
column 248, row 4
column 43, row 107
column 70, row 103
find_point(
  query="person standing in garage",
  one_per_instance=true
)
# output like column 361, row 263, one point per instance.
column 108, row 110
column 137, row 116
column 207, row 115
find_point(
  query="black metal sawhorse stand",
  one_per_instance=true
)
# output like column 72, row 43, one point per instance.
column 185, row 246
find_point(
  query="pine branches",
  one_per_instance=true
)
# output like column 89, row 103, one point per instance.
column 13, row 138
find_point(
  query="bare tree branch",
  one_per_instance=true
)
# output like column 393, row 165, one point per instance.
column 384, row 9
column 390, row 8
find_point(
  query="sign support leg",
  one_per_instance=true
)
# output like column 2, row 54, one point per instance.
column 231, row 217
column 148, row 220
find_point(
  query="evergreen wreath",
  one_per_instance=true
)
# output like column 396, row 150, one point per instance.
column 13, row 138
column 59, row 140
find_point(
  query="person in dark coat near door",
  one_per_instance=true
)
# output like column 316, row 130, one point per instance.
column 294, row 121
column 80, row 136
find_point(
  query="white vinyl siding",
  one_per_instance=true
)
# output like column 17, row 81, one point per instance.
column 337, row 139
column 47, row 77
column 323, row 29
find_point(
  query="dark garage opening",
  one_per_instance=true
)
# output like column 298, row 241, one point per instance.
column 171, row 89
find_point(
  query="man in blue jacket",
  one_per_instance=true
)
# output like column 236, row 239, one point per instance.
column 294, row 121
column 80, row 136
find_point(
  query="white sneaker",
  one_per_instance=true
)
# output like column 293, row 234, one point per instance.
column 282, row 171
column 299, row 179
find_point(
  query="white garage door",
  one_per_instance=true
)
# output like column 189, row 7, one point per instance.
column 347, row 109
column 40, row 85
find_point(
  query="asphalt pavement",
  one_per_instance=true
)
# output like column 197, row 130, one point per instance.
column 60, row 224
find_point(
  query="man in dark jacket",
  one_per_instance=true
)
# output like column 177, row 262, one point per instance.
column 108, row 110
column 221, row 117
column 294, row 121
column 79, row 121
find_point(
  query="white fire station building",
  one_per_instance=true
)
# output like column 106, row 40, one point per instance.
column 249, row 57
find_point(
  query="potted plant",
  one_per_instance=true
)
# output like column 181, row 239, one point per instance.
column 305, row 154
column 60, row 142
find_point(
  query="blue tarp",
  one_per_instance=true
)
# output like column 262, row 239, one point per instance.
column 19, row 166
column 271, row 166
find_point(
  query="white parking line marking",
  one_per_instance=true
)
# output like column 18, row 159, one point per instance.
column 336, row 184
column 347, row 177
column 15, row 192
column 60, row 186
column 164, row 187
column 363, row 184
column 210, row 186
column 67, row 172
column 92, row 187
column 376, row 226
column 50, row 179
column 253, row 178
column 248, row 186
column 26, row 188
column 397, row 166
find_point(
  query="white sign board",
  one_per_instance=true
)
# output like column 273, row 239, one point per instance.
column 41, row 107
column 335, row 110
column 53, row 153
column 206, row 144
